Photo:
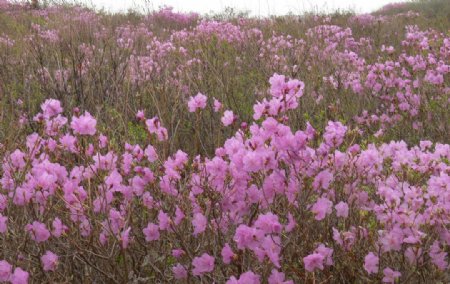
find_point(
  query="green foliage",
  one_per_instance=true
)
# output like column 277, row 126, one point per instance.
column 137, row 133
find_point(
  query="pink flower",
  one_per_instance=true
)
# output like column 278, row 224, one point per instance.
column 313, row 261
column 197, row 102
column 153, row 124
column 151, row 233
column 199, row 221
column 5, row 270
column 179, row 272
column 84, row 125
column 51, row 107
column 392, row 240
column 69, row 143
column 179, row 216
column 217, row 105
column 102, row 141
column 18, row 159
column 253, row 161
column 438, row 256
column 177, row 253
column 321, row 208
column 334, row 134
column 323, row 180
column 390, row 275
column 341, row 209
column 246, row 278
column 227, row 254
column 291, row 224
column 19, row 276
column 203, row 264
column 162, row 134
column 49, row 261
column 228, row 118
column 277, row 277
column 268, row 223
column 151, row 154
column 38, row 231
column 277, row 85
column 58, row 228
column 327, row 253
column 140, row 115
column 247, row 237
column 164, row 220
column 154, row 127
column 371, row 263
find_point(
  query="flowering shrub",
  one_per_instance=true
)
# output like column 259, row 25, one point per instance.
column 168, row 17
column 272, row 205
column 156, row 149
column 388, row 87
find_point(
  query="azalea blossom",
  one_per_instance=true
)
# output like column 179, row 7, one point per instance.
column 197, row 102
column 49, row 261
column 84, row 124
column 228, row 118
column 203, row 264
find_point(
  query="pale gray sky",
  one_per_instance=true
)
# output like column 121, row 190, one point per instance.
column 257, row 7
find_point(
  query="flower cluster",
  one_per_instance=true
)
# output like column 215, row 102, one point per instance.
column 162, row 152
column 263, row 202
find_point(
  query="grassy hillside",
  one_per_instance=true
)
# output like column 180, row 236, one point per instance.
column 182, row 148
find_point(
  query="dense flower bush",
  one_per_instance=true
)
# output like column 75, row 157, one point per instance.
column 174, row 147
column 389, row 86
column 271, row 205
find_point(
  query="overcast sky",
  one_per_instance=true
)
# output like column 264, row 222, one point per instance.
column 256, row 7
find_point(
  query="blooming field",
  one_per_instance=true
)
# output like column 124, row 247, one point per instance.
column 178, row 148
